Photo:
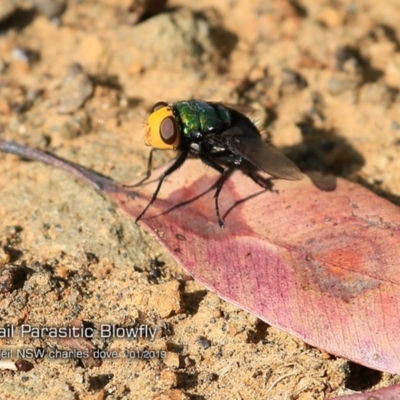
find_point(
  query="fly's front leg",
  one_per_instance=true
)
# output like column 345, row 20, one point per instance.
column 178, row 162
column 148, row 172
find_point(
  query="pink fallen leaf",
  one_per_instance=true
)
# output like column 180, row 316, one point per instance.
column 318, row 258
column 390, row 393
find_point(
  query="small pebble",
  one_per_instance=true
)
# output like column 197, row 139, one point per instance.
column 76, row 88
column 204, row 342
column 50, row 8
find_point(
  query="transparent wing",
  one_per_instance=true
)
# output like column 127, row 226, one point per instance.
column 247, row 143
column 246, row 110
column 255, row 116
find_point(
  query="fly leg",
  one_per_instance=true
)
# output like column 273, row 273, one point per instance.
column 261, row 181
column 225, row 172
column 148, row 172
column 264, row 182
column 178, row 162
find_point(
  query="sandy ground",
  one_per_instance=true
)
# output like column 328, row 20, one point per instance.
column 325, row 77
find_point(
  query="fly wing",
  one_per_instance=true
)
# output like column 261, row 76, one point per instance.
column 254, row 115
column 245, row 110
column 247, row 143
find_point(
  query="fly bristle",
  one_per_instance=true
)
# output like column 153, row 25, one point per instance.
column 257, row 121
column 257, row 115
column 265, row 135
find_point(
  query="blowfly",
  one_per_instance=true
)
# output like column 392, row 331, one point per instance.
column 222, row 136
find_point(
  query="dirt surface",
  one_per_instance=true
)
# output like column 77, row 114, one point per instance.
column 78, row 79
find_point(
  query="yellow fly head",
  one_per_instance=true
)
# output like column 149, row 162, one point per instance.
column 162, row 130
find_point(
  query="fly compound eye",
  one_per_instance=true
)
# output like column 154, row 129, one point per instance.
column 168, row 130
column 162, row 130
column 159, row 105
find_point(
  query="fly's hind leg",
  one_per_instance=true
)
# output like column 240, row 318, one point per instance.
column 178, row 162
column 265, row 183
column 225, row 172
column 262, row 181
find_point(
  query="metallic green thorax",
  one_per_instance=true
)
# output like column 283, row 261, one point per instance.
column 200, row 116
